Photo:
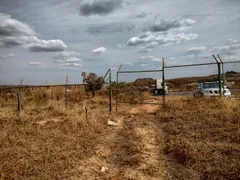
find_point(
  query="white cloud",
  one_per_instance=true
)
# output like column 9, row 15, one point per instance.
column 67, row 59
column 99, row 50
column 121, row 45
column 229, row 49
column 160, row 38
column 70, row 65
column 11, row 55
column 196, row 50
column 16, row 33
column 5, row 56
column 65, row 55
column 144, row 64
column 35, row 63
column 73, row 59
column 47, row 46
column 151, row 58
column 13, row 27
column 164, row 32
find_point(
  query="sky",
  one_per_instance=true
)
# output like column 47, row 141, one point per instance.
column 44, row 41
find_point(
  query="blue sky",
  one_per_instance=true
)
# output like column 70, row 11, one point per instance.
column 43, row 41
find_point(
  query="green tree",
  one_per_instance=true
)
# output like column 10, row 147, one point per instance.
column 93, row 82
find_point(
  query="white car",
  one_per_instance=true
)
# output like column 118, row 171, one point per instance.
column 210, row 89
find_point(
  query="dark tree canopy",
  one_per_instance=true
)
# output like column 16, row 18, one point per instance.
column 94, row 82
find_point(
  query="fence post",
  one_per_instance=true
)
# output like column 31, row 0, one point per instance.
column 66, row 98
column 163, row 80
column 117, row 88
column 19, row 101
column 19, row 96
column 219, row 76
column 110, row 91
column 223, row 73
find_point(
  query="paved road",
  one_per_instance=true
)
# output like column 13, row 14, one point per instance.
column 190, row 93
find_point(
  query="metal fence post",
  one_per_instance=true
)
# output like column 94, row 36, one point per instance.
column 117, row 88
column 223, row 74
column 219, row 75
column 110, row 91
column 163, row 80
column 109, row 73
column 219, row 79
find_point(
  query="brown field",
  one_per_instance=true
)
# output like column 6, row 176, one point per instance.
column 186, row 139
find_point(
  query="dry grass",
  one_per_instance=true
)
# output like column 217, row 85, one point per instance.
column 187, row 139
column 46, row 142
column 204, row 135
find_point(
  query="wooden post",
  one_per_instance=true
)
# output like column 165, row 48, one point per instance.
column 19, row 96
column 86, row 113
column 19, row 101
column 66, row 97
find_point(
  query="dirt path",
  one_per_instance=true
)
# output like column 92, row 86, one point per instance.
column 132, row 150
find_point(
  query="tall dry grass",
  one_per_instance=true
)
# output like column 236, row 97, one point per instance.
column 204, row 135
column 48, row 141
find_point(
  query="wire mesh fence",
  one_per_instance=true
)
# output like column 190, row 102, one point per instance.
column 66, row 95
column 137, row 86
column 209, row 79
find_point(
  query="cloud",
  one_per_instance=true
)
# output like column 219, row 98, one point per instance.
column 141, row 15
column 111, row 28
column 196, row 50
column 16, row 33
column 121, row 45
column 144, row 50
column 67, row 59
column 73, row 59
column 148, row 47
column 65, row 54
column 47, row 46
column 145, row 64
column 164, row 32
column 236, row 19
column 166, row 25
column 228, row 49
column 5, row 56
column 70, row 65
column 160, row 38
column 151, row 58
column 12, row 27
column 99, row 50
column 35, row 63
column 99, row 7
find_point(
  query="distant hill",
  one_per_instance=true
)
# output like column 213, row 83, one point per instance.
column 189, row 83
column 143, row 81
